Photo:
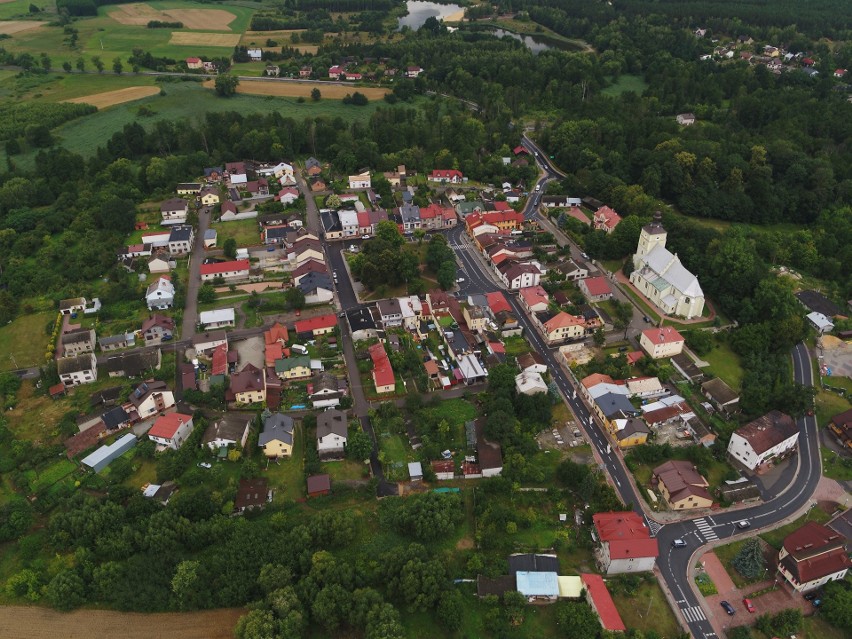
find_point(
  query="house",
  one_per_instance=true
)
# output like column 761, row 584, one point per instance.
column 287, row 195
column 114, row 342
column 194, row 63
column 360, row 181
column 383, row 377
column 820, row 322
column 210, row 237
column 171, row 430
column 317, row 185
column 571, row 270
column 335, row 72
column 217, row 318
column 160, row 263
column 530, row 383
column 318, row 485
column 411, row 308
column 531, row 363
column 605, row 219
column 415, row 471
column 476, row 317
column 446, row 176
column 174, row 211
column 105, row 455
column 812, row 556
column 79, row 369
column 519, row 275
column 228, row 212
column 362, row 326
column 136, row 363
column 189, row 188
column 332, row 431
column 188, row 379
column 228, row 271
column 659, row 275
column 78, row 341
column 626, row 544
column 316, row 287
column 470, row 369
column 413, row 72
column 534, row 298
column 561, row 327
column 595, row 289
column 248, row 386
column 56, row 391
column 645, row 387
column 304, row 249
column 630, row 431
column 601, row 602
column 209, row 196
column 721, row 395
column 840, row 73
column 256, row 55
column 252, row 493
column 229, row 430
column 316, row 326
column 841, row 426
column 326, row 391
column 661, row 342
column 289, row 368
column 73, row 305
column 390, row 312
column 181, row 238
column 272, row 70
column 681, row 485
column 160, row 294
column 685, row 119
column 157, row 328
column 305, row 72
column 764, row 440
column 276, row 438
column 151, row 397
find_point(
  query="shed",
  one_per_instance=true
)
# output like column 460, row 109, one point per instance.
column 319, row 485
column 570, row 587
column 538, row 585
column 415, row 471
column 105, row 455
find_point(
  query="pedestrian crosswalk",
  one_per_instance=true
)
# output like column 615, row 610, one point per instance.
column 705, row 529
column 653, row 526
column 693, row 614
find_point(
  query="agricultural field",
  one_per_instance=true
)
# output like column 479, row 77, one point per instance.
column 118, row 96
column 303, row 89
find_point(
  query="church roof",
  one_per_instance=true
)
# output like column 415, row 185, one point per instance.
column 667, row 265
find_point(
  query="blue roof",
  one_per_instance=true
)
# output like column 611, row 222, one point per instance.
column 538, row 584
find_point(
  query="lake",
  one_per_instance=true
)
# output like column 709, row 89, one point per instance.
column 537, row 43
column 419, row 12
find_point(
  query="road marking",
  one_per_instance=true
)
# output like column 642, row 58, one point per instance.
column 655, row 528
column 693, row 614
column 705, row 529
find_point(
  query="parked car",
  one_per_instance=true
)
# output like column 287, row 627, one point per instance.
column 166, row 338
column 205, row 465
column 728, row 608
column 743, row 524
column 679, row 543
column 748, row 605
column 647, row 319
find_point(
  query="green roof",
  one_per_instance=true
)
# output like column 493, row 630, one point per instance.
column 290, row 363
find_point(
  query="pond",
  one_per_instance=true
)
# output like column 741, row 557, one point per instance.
column 419, row 12
column 537, row 43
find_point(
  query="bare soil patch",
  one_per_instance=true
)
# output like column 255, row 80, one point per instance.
column 110, row 98
column 199, row 39
column 303, row 89
column 10, row 27
column 21, row 622
column 141, row 14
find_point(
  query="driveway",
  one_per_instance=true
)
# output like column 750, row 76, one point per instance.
column 251, row 350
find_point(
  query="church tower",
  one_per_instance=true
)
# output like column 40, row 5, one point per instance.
column 652, row 235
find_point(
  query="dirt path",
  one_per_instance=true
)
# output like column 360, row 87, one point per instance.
column 20, row 622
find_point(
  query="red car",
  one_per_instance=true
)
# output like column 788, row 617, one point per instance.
column 749, row 606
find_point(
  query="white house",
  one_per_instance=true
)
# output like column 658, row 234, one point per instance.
column 760, row 442
column 256, row 55
column 217, row 318
column 181, row 238
column 515, row 275
column 360, row 181
column 160, row 294
column 812, row 556
column 820, row 322
column 80, row 369
column 530, row 383
column 626, row 544
column 171, row 430
column 233, row 270
column 661, row 342
column 206, row 343
column 151, row 397
column 228, row 430
column 174, row 211
column 332, row 431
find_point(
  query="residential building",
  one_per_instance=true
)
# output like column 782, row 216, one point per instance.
column 209, row 196
column 630, row 431
column 681, row 485
column 659, row 275
column 137, row 363
column 812, row 556
column 661, row 342
column 560, row 327
column 78, row 341
column 445, row 176
column 290, row 368
column 252, row 493
column 248, row 386
column 409, row 214
column 157, row 329
column 535, row 299
column 114, row 342
column 383, row 377
column 174, row 211
column 160, row 263
column 476, row 317
column 519, row 275
column 361, row 324
column 685, row 119
column 181, row 238
column 316, row 287
column 626, row 544
column 228, row 271
column 318, row 485
column 229, row 430
column 332, row 432
column 171, row 430
column 316, row 326
column 571, row 270
column 276, row 438
column 530, row 383
column 217, row 318
column 722, row 396
column 151, row 397
column 79, row 369
column 160, row 294
column 411, row 308
column 390, row 312
column 194, row 63
column 531, row 362
column 360, row 181
column 605, row 219
column 73, row 305
column 841, row 427
column 764, row 440
column 325, row 392
column 595, row 289
column 309, row 266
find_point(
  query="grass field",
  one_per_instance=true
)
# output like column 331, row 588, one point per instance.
column 243, row 231
column 829, row 404
column 648, row 610
column 836, row 467
column 624, row 84
column 24, row 341
column 725, row 363
column 303, row 89
column 344, row 470
column 287, row 476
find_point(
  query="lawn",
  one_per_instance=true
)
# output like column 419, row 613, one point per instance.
column 624, row 84
column 726, row 554
column 724, row 363
column 516, row 345
column 705, row 585
column 51, row 474
column 23, row 342
column 245, row 232
column 395, row 454
column 345, row 470
column 775, row 538
column 648, row 610
column 829, row 404
column 455, row 411
column 287, row 476
column 836, row 467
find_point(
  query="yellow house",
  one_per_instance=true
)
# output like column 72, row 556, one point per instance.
column 293, row 367
column 474, row 317
column 681, row 485
column 630, row 432
column 209, row 197
column 189, row 188
column 276, row 439
column 248, row 386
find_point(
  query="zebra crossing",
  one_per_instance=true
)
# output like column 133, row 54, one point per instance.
column 705, row 529
column 653, row 526
column 693, row 614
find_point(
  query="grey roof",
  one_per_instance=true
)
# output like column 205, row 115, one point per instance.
column 276, row 426
column 133, row 363
column 114, row 417
column 667, row 265
column 332, row 421
column 314, row 280
column 389, row 307
column 210, row 234
column 533, row 563
column 77, row 364
column 77, row 335
column 409, row 213
column 360, row 319
column 312, row 162
column 719, row 391
column 331, row 221
column 230, row 427
column 113, row 339
column 173, row 204
column 180, row 233
column 610, row 404
column 819, row 303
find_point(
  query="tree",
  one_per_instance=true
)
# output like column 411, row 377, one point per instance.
column 359, row 445
column 837, row 605
column 66, row 66
column 117, row 66
column 294, row 298
column 316, row 95
column 576, row 619
column 749, row 561
column 187, row 584
column 99, row 64
column 206, row 294
column 332, row 201
column 45, row 62
column 446, row 276
column 66, row 590
column 81, row 65
column 599, row 338
column 230, row 248
column 257, row 624
column 226, row 85
column 451, row 608
column 515, row 604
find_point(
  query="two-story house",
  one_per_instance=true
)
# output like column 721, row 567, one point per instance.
column 764, row 440
column 625, row 541
column 812, row 556
column 171, row 431
column 157, row 329
column 78, row 341
column 174, row 211
column 160, row 294
column 181, row 238
column 79, row 369
column 276, row 438
column 248, row 386
column 151, row 397
column 390, row 312
column 332, row 433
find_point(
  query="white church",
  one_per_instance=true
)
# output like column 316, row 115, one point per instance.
column 659, row 275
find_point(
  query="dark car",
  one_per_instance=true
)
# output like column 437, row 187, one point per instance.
column 166, row 338
column 728, row 608
column 647, row 319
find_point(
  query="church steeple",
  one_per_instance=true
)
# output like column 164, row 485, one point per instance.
column 652, row 235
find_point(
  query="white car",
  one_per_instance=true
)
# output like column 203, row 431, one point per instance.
column 205, row 465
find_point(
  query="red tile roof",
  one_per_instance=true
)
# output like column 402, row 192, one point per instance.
column 597, row 286
column 770, row 430
column 815, row 552
column 561, row 320
column 627, row 535
column 497, row 302
column 442, row 466
column 534, row 295
column 605, row 216
column 220, row 360
column 596, row 378
column 501, row 206
column 603, row 603
column 446, row 174
column 167, row 425
column 224, row 267
column 276, row 333
column 316, row 323
column 663, row 335
column 382, row 370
